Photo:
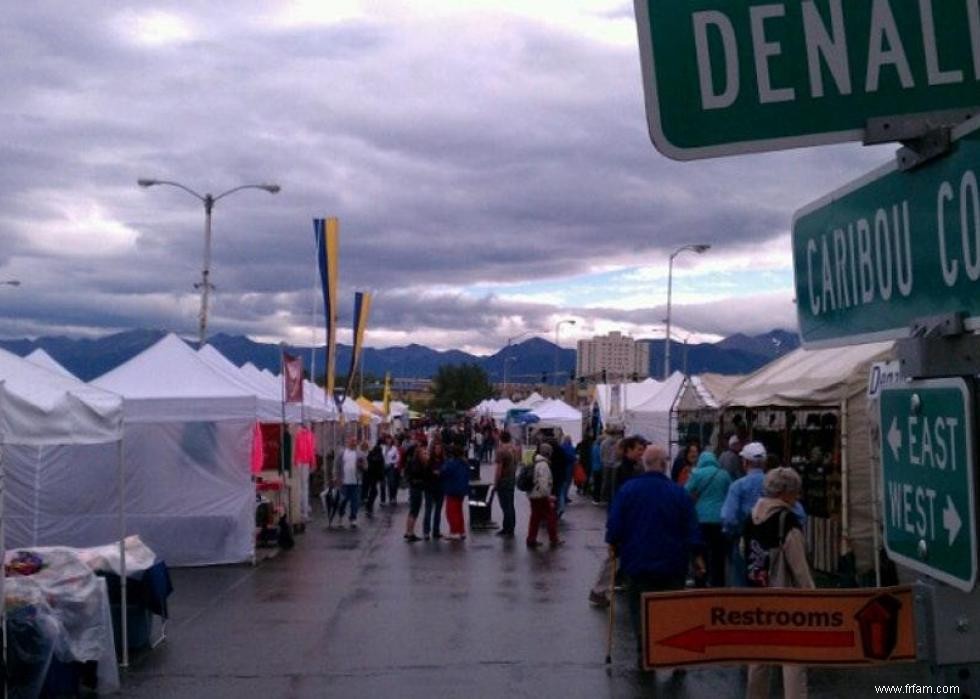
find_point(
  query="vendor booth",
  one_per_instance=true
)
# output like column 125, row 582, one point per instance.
column 655, row 418
column 61, row 467
column 810, row 408
column 698, row 407
column 558, row 414
column 188, row 440
column 615, row 399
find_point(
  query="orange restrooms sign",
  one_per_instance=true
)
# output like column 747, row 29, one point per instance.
column 809, row 627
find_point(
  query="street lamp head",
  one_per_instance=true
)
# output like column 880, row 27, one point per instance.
column 270, row 188
column 700, row 248
column 11, row 282
column 144, row 182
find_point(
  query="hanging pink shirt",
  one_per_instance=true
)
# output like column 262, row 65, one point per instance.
column 304, row 451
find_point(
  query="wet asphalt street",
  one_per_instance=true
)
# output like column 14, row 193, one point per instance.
column 362, row 613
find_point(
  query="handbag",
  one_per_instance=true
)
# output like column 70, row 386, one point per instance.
column 780, row 574
column 697, row 493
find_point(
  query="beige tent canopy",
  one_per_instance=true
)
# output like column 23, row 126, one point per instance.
column 793, row 403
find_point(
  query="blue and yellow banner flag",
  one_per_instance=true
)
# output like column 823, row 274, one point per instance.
column 326, row 233
column 387, row 395
column 362, row 309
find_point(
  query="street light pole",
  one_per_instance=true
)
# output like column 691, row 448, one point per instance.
column 699, row 249
column 507, row 356
column 558, row 325
column 209, row 201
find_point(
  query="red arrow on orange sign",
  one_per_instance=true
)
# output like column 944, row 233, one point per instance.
column 698, row 638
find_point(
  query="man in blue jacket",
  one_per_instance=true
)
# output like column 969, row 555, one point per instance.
column 653, row 529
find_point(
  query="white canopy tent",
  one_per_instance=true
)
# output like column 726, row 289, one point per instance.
column 559, row 414
column 44, row 360
column 188, row 429
column 270, row 407
column 531, row 402
column 61, row 441
column 655, row 418
column 615, row 399
column 834, row 379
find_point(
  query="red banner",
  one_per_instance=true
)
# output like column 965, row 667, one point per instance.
column 292, row 373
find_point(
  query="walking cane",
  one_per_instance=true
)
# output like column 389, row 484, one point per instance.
column 612, row 605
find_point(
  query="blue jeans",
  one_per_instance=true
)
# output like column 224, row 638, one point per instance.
column 350, row 497
column 391, row 481
column 432, row 518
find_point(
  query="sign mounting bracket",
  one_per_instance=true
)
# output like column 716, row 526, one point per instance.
column 924, row 136
column 939, row 346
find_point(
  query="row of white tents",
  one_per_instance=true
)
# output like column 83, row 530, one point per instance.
column 159, row 447
column 827, row 379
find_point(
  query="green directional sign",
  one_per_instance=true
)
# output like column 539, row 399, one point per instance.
column 890, row 248
column 727, row 76
column 927, row 479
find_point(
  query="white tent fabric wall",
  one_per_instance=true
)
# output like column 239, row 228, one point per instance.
column 655, row 418
column 189, row 493
column 57, row 433
column 44, row 360
column 631, row 395
column 531, row 402
column 559, row 414
column 833, row 378
column 269, row 404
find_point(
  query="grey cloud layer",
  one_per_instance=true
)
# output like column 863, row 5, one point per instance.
column 454, row 152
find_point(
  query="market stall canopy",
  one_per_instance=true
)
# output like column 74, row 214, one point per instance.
column 269, row 404
column 632, row 393
column 711, row 390
column 531, row 401
column 558, row 413
column 44, row 360
column 42, row 407
column 396, row 408
column 809, row 377
column 169, row 382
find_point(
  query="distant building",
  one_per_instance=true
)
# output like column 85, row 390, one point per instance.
column 619, row 355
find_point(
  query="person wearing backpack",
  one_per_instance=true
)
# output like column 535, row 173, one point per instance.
column 542, row 500
column 708, row 486
column 776, row 557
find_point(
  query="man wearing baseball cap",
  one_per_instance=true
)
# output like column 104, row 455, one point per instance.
column 741, row 498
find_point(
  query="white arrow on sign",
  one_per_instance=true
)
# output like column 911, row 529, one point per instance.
column 895, row 438
column 951, row 520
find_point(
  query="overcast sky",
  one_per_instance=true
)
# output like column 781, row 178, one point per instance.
column 488, row 160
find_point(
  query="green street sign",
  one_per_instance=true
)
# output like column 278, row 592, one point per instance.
column 890, row 248
column 927, row 479
column 724, row 77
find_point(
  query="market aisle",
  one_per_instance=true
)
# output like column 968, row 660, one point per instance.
column 362, row 613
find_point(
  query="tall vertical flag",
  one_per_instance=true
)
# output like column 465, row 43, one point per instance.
column 292, row 376
column 326, row 234
column 362, row 309
column 387, row 395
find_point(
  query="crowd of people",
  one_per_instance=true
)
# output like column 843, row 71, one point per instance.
column 704, row 519
column 721, row 521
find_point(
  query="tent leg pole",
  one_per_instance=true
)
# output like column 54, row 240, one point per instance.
column 123, row 611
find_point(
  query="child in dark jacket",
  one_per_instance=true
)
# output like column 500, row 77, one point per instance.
column 455, row 478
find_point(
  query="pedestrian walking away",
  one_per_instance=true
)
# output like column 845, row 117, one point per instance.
column 653, row 529
column 708, row 486
column 776, row 557
column 542, row 500
column 350, row 468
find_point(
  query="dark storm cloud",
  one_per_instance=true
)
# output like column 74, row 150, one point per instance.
column 453, row 152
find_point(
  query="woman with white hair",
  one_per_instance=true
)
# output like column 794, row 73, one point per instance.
column 776, row 557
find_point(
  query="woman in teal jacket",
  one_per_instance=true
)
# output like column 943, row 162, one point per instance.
column 708, row 485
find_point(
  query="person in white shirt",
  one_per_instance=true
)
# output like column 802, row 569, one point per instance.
column 391, row 469
column 348, row 472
